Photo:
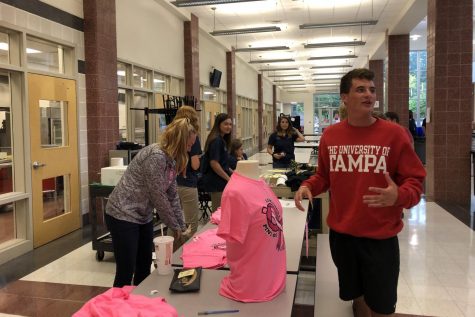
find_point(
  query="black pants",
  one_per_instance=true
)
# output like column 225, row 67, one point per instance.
column 132, row 244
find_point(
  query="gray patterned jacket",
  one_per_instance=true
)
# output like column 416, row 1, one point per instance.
column 149, row 182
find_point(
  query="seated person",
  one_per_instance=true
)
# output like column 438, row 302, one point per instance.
column 236, row 153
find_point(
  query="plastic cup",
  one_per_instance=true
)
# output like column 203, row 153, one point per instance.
column 163, row 253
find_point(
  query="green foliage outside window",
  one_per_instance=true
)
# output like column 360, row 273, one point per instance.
column 418, row 67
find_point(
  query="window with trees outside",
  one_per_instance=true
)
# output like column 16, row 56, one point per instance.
column 418, row 85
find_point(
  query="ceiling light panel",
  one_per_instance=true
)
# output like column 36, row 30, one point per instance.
column 326, row 74
column 263, row 61
column 245, row 31
column 284, row 75
column 194, row 3
column 263, row 48
column 277, row 69
column 334, row 44
column 336, row 25
column 314, row 58
column 331, row 66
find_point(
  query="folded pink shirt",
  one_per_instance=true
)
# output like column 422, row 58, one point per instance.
column 206, row 250
column 216, row 216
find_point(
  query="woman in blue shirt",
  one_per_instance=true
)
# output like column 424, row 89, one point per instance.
column 281, row 143
column 216, row 172
column 187, row 181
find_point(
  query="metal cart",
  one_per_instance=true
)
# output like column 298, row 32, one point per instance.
column 101, row 239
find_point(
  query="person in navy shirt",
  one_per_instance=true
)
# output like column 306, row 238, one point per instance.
column 281, row 143
column 236, row 153
column 187, row 181
column 216, row 161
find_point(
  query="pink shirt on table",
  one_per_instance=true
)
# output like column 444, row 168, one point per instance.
column 251, row 223
column 206, row 250
column 119, row 302
column 216, row 216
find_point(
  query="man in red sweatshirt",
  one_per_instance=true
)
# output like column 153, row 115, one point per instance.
column 372, row 172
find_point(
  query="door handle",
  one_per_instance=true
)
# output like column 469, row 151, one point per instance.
column 38, row 164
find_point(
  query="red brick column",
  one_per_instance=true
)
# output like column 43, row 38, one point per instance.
column 231, row 85
column 449, row 96
column 192, row 57
column 377, row 66
column 101, row 83
column 398, row 76
column 274, row 107
column 260, row 109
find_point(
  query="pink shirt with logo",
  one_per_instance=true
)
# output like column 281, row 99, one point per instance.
column 251, row 223
column 206, row 250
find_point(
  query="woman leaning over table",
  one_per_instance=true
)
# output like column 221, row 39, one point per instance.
column 149, row 182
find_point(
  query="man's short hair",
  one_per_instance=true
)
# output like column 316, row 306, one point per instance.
column 360, row 73
column 393, row 116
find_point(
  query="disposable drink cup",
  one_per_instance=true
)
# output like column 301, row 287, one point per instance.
column 163, row 252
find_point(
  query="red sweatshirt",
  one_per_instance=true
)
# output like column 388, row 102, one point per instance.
column 350, row 160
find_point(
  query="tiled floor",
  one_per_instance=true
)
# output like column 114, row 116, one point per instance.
column 437, row 271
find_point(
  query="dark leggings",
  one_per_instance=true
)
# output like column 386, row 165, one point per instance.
column 132, row 244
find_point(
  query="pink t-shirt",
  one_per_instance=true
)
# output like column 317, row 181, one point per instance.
column 206, row 250
column 251, row 223
column 119, row 302
column 216, row 216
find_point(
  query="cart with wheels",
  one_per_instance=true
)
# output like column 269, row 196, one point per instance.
column 101, row 239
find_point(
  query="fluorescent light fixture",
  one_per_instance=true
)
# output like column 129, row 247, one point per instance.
column 260, row 49
column 284, row 75
column 3, row 46
column 334, row 44
column 415, row 37
column 263, row 61
column 326, row 84
column 336, row 25
column 245, row 31
column 329, row 66
column 331, row 57
column 156, row 80
column 287, row 80
column 208, row 93
column 32, row 51
column 121, row 73
column 192, row 3
column 277, row 69
column 324, row 74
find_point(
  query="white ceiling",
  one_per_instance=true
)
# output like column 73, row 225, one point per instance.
column 394, row 17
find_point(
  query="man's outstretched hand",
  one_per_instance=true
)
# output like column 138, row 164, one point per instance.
column 384, row 197
column 303, row 192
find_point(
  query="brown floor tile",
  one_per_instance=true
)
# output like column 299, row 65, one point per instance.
column 39, row 299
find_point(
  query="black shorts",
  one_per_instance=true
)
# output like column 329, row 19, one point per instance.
column 367, row 267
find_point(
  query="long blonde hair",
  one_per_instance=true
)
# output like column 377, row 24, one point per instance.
column 191, row 114
column 174, row 141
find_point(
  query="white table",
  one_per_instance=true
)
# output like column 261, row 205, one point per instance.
column 208, row 298
column 294, row 233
